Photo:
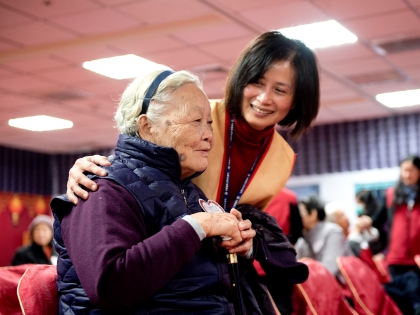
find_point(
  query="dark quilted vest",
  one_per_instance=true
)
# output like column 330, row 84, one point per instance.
column 152, row 175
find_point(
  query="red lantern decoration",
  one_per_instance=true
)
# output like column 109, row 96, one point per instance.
column 15, row 207
column 40, row 205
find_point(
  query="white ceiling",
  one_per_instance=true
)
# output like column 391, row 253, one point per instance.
column 43, row 44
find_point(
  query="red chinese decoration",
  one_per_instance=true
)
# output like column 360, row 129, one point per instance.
column 15, row 207
column 40, row 205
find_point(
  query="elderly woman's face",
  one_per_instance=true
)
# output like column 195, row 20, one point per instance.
column 186, row 127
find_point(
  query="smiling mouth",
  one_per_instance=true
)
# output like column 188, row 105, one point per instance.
column 261, row 111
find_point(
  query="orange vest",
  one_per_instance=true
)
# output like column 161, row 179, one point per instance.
column 270, row 174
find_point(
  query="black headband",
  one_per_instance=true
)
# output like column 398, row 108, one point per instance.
column 152, row 89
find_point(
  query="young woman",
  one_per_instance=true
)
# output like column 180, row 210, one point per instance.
column 274, row 81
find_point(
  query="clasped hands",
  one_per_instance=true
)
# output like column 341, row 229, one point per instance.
column 228, row 224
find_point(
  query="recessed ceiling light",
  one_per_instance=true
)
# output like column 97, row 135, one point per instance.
column 40, row 123
column 320, row 34
column 400, row 98
column 122, row 67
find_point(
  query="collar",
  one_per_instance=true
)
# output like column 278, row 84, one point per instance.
column 248, row 135
column 144, row 153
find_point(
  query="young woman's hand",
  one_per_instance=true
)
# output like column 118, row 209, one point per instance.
column 76, row 176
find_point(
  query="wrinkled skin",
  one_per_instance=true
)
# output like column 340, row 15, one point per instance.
column 186, row 127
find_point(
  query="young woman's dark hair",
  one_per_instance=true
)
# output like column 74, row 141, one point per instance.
column 399, row 196
column 258, row 57
column 371, row 205
column 313, row 203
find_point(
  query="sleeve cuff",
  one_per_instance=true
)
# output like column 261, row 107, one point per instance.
column 196, row 226
column 249, row 254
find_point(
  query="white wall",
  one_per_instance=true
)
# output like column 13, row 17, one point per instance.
column 341, row 186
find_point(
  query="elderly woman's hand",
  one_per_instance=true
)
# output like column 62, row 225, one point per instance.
column 77, row 177
column 220, row 224
column 247, row 234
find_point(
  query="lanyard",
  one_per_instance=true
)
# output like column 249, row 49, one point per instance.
column 241, row 191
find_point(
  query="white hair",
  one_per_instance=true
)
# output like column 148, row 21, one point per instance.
column 331, row 208
column 131, row 101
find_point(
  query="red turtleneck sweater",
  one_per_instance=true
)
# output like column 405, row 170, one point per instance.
column 247, row 143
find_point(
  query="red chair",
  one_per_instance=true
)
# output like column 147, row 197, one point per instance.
column 9, row 280
column 368, row 294
column 320, row 294
column 378, row 266
column 37, row 291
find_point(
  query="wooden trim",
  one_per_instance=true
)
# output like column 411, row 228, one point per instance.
column 18, row 294
column 272, row 301
column 307, row 300
column 417, row 260
column 352, row 288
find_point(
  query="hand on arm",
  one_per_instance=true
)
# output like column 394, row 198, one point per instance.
column 76, row 176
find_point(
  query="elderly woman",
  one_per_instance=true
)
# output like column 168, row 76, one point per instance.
column 142, row 244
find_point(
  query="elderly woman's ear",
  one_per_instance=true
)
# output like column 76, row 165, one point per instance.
column 144, row 127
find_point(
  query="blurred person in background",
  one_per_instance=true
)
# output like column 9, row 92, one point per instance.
column 283, row 207
column 404, row 245
column 322, row 240
column 360, row 236
column 40, row 250
column 368, row 205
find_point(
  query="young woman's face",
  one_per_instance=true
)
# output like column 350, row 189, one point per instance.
column 410, row 174
column 268, row 101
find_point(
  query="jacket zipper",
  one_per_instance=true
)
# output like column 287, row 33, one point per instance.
column 183, row 195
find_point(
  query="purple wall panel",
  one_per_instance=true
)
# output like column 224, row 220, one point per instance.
column 330, row 148
column 352, row 146
column 36, row 173
column 24, row 171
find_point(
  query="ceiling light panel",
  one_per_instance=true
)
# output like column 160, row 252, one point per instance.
column 321, row 34
column 40, row 123
column 400, row 98
column 122, row 67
